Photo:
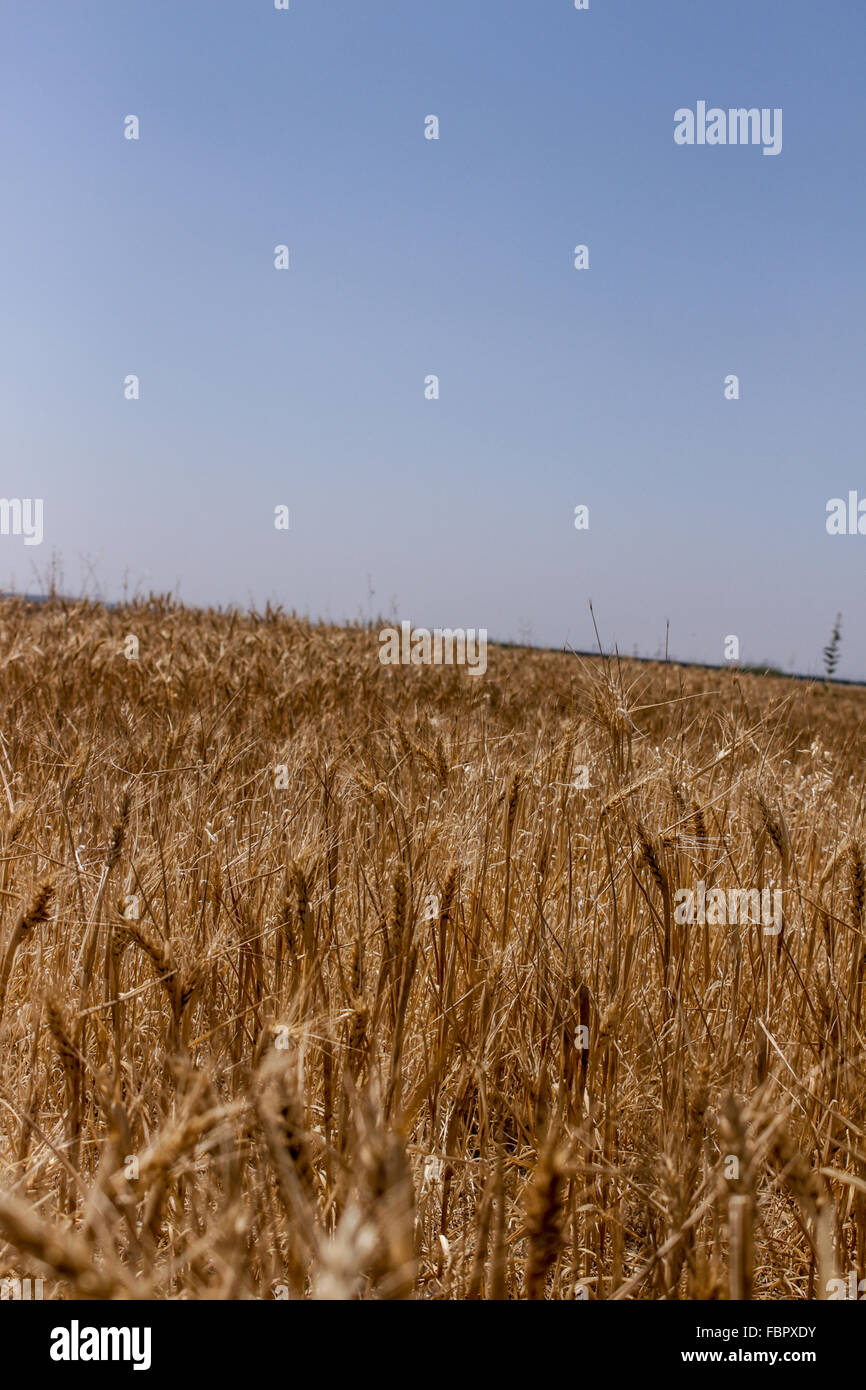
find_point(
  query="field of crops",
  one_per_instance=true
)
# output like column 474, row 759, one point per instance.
column 325, row 979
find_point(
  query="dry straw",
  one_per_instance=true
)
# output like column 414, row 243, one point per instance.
column 417, row 1020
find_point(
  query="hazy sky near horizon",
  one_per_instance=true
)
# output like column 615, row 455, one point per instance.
column 454, row 257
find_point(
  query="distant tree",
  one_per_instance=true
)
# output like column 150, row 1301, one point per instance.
column 831, row 651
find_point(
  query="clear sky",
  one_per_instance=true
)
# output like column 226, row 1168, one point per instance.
column 411, row 257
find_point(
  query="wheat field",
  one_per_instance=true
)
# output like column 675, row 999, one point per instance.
column 320, row 979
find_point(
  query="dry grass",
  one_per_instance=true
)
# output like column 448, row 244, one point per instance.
column 320, row 1033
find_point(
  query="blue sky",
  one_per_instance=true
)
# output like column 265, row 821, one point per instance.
column 412, row 257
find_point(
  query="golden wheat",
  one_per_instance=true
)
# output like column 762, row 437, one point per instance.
column 384, row 1001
